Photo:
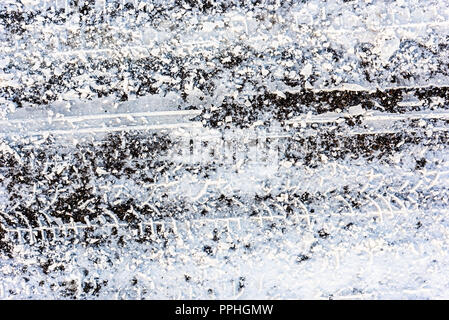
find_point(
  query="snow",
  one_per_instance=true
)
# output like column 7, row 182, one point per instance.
column 283, row 151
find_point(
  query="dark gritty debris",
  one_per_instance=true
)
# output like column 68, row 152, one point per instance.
column 302, row 258
column 295, row 104
column 418, row 225
column 215, row 236
column 348, row 226
column 208, row 250
column 72, row 204
column 87, row 287
column 323, row 234
column 121, row 241
column 95, row 286
column 420, row 164
column 16, row 21
column 241, row 283
column 70, row 289
column 60, row 268
column 5, row 245
column 124, row 211
column 355, row 204
column 46, row 265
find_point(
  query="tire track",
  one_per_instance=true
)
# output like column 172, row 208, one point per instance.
column 214, row 137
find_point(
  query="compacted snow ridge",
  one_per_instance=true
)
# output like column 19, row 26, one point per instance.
column 224, row 149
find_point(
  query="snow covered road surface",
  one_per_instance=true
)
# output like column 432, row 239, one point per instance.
column 218, row 150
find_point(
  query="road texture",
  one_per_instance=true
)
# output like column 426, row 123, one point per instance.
column 224, row 149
